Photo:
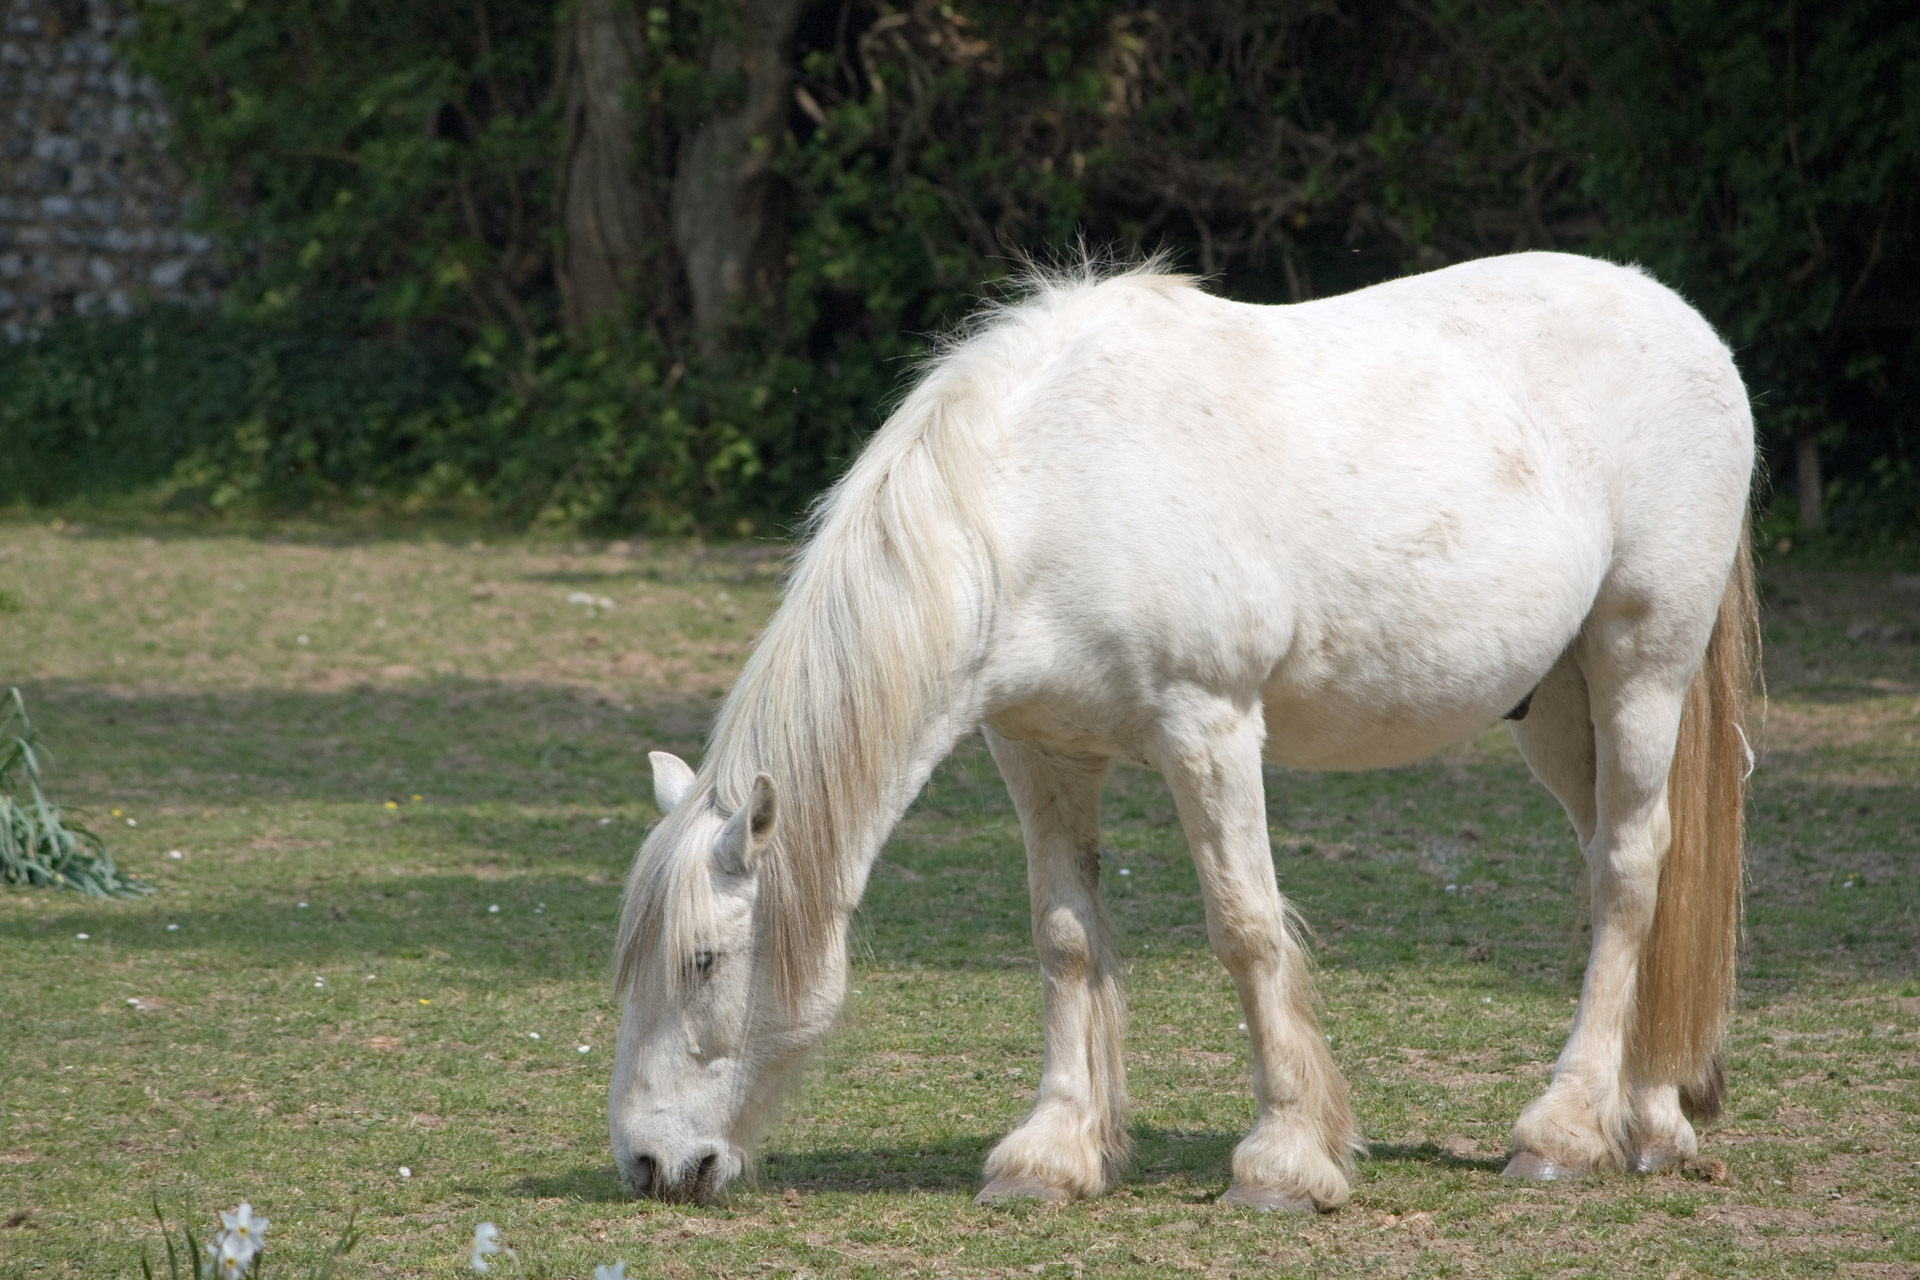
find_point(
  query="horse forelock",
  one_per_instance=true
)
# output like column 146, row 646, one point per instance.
column 668, row 913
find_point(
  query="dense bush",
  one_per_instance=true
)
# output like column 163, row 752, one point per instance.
column 382, row 180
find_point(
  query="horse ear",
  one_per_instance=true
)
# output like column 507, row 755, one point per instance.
column 672, row 779
column 748, row 830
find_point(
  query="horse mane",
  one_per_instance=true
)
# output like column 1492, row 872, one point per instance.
column 898, row 572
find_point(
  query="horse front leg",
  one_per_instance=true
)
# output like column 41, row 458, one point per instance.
column 1074, row 1141
column 1300, row 1152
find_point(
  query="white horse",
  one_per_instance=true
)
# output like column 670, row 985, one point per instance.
column 1124, row 519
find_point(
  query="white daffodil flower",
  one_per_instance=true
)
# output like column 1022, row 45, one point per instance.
column 618, row 1271
column 230, row 1258
column 248, row 1230
column 486, row 1242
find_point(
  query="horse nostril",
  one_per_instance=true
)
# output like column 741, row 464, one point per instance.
column 643, row 1175
column 700, row 1186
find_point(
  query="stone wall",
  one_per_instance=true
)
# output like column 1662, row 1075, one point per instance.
column 91, row 211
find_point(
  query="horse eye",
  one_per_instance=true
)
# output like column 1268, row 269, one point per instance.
column 703, row 961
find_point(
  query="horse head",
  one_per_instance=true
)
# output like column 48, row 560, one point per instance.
column 707, row 1045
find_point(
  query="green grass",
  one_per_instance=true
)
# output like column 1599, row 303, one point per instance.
column 319, row 993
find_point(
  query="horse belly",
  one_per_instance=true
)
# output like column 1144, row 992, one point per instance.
column 1372, row 692
column 1347, row 733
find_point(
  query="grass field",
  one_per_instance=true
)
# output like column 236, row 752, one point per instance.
column 404, row 777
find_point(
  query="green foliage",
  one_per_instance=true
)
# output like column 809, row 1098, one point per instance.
column 215, row 409
column 394, row 157
column 37, row 847
column 382, row 182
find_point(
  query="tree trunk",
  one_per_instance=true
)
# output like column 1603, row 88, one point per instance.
column 1806, row 465
column 727, row 217
column 611, row 224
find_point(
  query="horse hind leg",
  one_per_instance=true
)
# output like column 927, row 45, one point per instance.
column 1074, row 1142
column 1601, row 738
column 1561, row 1134
column 1300, row 1153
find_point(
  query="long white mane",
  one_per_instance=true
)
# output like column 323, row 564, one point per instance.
column 897, row 575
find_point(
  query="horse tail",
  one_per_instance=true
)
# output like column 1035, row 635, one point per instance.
column 1687, row 967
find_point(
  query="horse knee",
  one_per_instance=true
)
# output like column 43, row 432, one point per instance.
column 1245, row 950
column 1247, row 935
column 1065, row 939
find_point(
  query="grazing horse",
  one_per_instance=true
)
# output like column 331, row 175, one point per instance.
column 1124, row 519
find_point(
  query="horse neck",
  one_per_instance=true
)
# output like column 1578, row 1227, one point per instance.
column 842, row 787
column 851, row 699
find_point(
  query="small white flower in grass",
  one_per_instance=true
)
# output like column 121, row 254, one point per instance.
column 405, row 1172
column 618, row 1271
column 1486, row 999
column 173, row 928
column 1453, row 888
column 319, row 982
column 300, row 640
column 1126, row 871
column 606, row 822
column 132, row 822
column 533, row 1035
column 175, row 854
column 243, row 1228
column 494, row 910
column 301, row 905
column 586, row 1048
column 486, row 1243
column 230, row 1258
column 81, row 936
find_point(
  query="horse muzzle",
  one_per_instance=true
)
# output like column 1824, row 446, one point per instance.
column 695, row 1178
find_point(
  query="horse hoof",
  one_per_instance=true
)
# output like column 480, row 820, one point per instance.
column 1531, row 1166
column 1018, row 1189
column 1648, row 1160
column 1267, row 1199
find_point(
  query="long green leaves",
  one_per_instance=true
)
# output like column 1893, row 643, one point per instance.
column 36, row 846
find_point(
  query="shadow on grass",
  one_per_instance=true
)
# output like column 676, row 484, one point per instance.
column 518, row 780
column 951, row 1166
column 1432, row 1156
column 451, row 738
column 597, row 1185
column 443, row 918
